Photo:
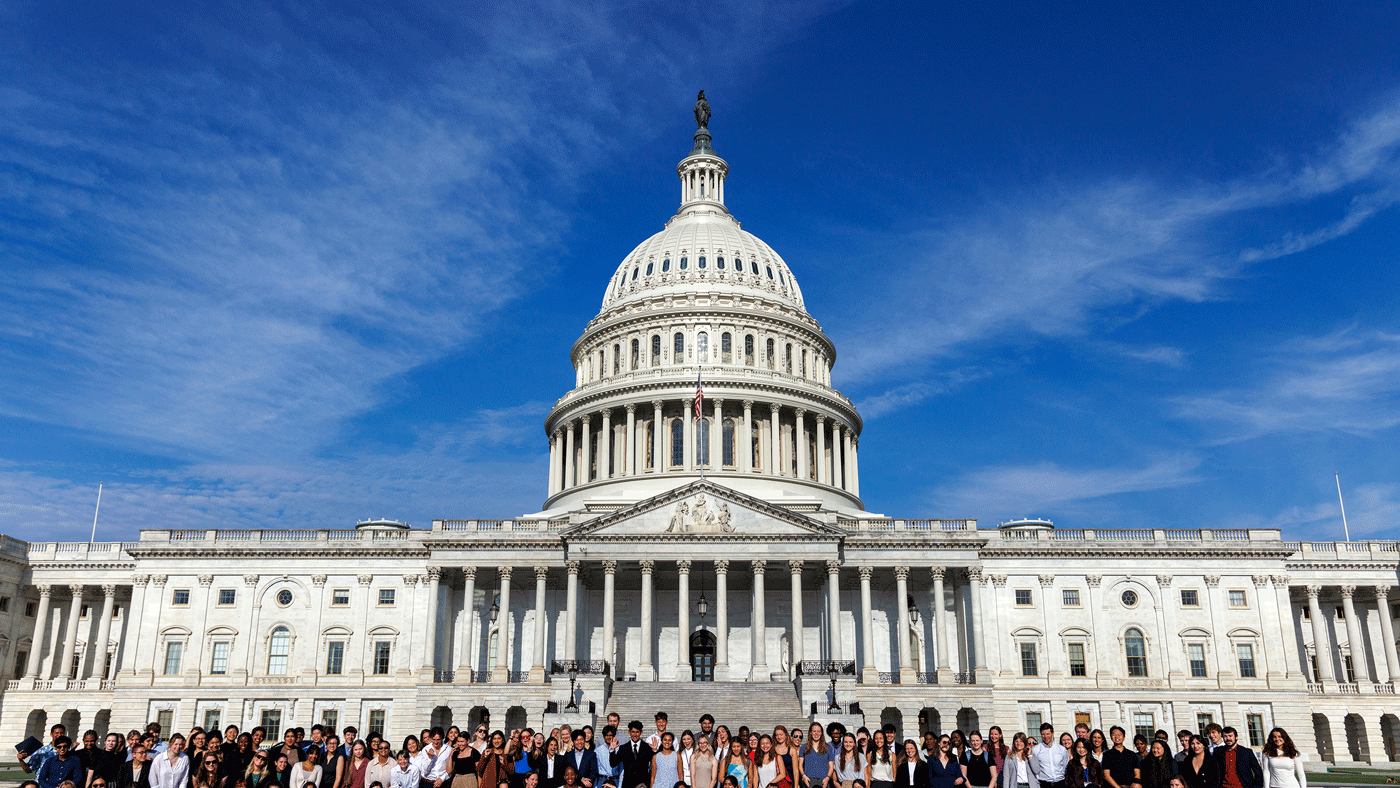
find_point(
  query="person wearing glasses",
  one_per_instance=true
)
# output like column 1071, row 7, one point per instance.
column 480, row 741
column 259, row 771
column 207, row 775
column 62, row 766
column 381, row 765
column 333, row 768
column 135, row 773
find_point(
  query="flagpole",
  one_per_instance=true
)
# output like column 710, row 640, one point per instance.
column 1345, row 529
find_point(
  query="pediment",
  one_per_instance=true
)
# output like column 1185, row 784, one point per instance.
column 703, row 510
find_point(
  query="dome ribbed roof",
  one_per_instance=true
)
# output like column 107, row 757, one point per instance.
column 654, row 267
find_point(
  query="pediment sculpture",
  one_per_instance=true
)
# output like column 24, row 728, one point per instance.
column 700, row 518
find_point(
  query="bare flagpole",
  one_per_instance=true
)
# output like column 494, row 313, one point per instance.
column 1345, row 529
column 93, row 538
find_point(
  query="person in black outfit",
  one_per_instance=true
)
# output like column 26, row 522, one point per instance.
column 137, row 772
column 1197, row 768
column 908, row 761
column 634, row 757
column 1246, row 763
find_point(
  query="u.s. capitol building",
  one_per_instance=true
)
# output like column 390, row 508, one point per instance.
column 736, row 549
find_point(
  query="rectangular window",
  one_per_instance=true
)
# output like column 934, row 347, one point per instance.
column 335, row 657
column 386, row 596
column 1203, row 721
column 340, row 597
column 21, row 659
column 1029, row 666
column 1350, row 668
column 272, row 723
column 1083, row 718
column 107, row 664
column 180, row 597
column 1033, row 721
column 1070, row 597
column 1307, row 614
column 166, row 719
column 1190, row 598
column 1238, row 598
column 1023, row 597
column 29, row 609
column 1246, row 656
column 1145, row 724
column 173, row 652
column 381, row 658
column 227, row 596
column 83, row 613
column 1341, row 614
column 1077, row 667
column 376, row 722
column 4, row 604
column 1316, row 673
column 212, row 719
column 73, row 668
column 218, row 666
column 1196, row 655
column 1255, row 724
column 330, row 719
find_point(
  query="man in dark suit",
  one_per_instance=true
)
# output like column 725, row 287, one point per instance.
column 1237, row 767
column 584, row 760
column 634, row 756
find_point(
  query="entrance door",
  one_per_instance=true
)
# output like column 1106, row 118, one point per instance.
column 702, row 656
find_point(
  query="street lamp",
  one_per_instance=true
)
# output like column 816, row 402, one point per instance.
column 832, row 669
column 495, row 609
column 573, row 677
column 703, row 607
column 913, row 614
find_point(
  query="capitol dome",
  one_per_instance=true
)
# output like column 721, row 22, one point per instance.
column 703, row 304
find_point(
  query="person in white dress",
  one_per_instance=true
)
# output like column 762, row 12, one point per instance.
column 1283, row 764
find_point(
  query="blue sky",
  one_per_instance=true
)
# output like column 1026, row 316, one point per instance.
column 290, row 266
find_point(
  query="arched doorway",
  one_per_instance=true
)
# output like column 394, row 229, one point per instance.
column 702, row 656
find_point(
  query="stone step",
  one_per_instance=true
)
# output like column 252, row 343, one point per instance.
column 759, row 706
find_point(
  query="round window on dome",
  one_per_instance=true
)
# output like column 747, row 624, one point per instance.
column 770, row 272
column 702, row 261
column 665, row 265
column 284, row 597
column 719, row 263
column 649, row 265
column 685, row 263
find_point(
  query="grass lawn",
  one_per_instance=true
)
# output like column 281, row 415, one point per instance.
column 1355, row 777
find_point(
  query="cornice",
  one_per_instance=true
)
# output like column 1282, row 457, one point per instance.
column 1096, row 549
column 282, row 550
column 122, row 566
column 1301, row 566
column 679, row 313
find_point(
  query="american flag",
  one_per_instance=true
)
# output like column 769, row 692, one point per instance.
column 699, row 398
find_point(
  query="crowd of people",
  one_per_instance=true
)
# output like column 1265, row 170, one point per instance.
column 712, row 756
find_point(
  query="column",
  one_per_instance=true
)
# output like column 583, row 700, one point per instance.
column 605, row 454
column 64, row 664
column 760, row 630
column 1392, row 659
column 1283, row 604
column 979, row 654
column 801, row 444
column 469, row 614
column 629, row 441
column 833, row 579
column 645, row 670
column 430, row 627
column 836, row 479
column 569, row 480
column 554, row 462
column 658, row 460
column 795, row 568
column 41, row 624
column 1355, row 641
column 855, row 465
column 744, row 444
column 717, row 438
column 688, row 419
column 500, row 674
column 721, row 620
column 610, row 616
column 97, row 668
column 131, row 651
column 821, row 449
column 940, row 625
column 585, row 472
column 775, row 453
column 683, row 619
column 901, row 590
column 1101, row 651
column 1224, row 666
column 541, row 575
column 848, row 461
column 571, row 599
column 1322, row 645
column 869, row 671
column 1273, row 670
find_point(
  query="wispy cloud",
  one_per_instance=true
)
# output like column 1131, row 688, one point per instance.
column 1073, row 260
column 1373, row 511
column 1345, row 382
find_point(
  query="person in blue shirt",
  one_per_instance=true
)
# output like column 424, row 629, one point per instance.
column 31, row 762
column 60, row 767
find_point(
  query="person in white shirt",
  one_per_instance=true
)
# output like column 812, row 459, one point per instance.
column 171, row 769
column 1049, row 759
column 404, row 774
column 433, row 762
column 654, row 740
column 379, row 766
column 1283, row 764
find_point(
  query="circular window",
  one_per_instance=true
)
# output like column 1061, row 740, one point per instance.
column 284, row 597
column 1129, row 598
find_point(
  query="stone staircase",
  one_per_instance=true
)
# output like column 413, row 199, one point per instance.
column 758, row 705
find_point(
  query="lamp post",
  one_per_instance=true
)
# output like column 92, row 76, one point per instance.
column 495, row 609
column 573, row 677
column 832, row 669
column 702, row 607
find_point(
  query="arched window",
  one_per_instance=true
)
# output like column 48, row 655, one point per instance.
column 787, row 359
column 678, row 349
column 702, row 443
column 602, row 364
column 637, row 353
column 725, row 354
column 804, row 362
column 812, row 460
column 770, row 272
column 279, row 646
column 677, row 443
column 738, row 265
column 748, row 349
column 755, row 267
column 702, row 347
column 1135, row 648
column 656, row 351
column 772, row 355
column 719, row 263
column 702, row 261
column 727, row 441
column 685, row 261
column 494, row 645
column 635, row 271
column 649, row 267
column 593, row 456
column 755, row 445
column 617, row 359
column 781, row 280
column 650, row 445
column 590, row 366
column 665, row 265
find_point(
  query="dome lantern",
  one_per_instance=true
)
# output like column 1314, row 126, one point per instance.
column 702, row 171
